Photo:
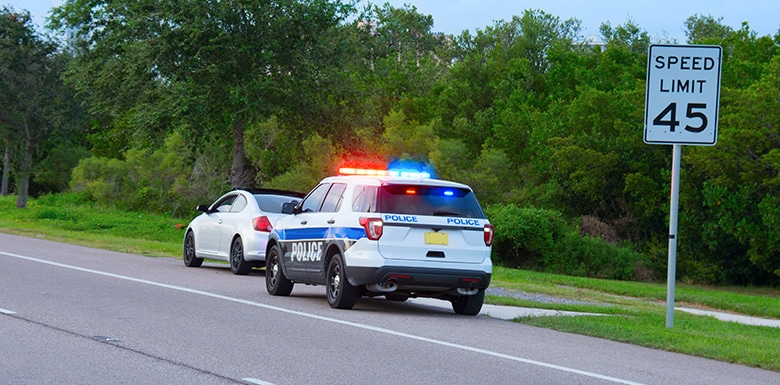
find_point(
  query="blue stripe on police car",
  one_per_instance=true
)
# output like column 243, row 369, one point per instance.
column 317, row 233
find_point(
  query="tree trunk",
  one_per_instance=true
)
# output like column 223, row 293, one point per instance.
column 237, row 173
column 6, row 170
column 24, row 174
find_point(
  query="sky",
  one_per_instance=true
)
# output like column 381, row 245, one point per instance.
column 664, row 20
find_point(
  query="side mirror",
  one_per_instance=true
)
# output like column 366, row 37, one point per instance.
column 289, row 207
column 203, row 208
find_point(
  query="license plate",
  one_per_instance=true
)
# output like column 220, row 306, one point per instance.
column 436, row 238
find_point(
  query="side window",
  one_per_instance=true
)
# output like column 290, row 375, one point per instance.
column 364, row 200
column 238, row 204
column 333, row 200
column 313, row 201
column 223, row 206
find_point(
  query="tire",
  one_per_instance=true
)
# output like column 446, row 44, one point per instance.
column 341, row 294
column 469, row 304
column 190, row 260
column 238, row 265
column 275, row 281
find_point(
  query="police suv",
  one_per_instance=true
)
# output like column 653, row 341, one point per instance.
column 382, row 233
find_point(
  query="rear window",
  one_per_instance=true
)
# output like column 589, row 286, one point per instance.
column 273, row 203
column 429, row 200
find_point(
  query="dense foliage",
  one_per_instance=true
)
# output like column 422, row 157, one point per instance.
column 187, row 102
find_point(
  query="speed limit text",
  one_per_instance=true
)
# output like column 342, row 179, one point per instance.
column 693, row 63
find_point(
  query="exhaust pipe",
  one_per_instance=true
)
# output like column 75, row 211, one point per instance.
column 388, row 286
column 471, row 290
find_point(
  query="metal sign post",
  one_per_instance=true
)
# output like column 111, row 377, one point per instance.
column 681, row 107
column 671, row 272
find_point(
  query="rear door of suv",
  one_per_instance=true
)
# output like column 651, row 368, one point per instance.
column 431, row 223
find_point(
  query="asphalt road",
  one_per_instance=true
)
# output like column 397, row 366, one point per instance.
column 75, row 315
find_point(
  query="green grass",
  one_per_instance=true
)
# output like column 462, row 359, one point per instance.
column 635, row 312
column 65, row 219
column 637, row 315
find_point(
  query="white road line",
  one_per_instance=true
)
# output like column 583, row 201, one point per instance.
column 6, row 311
column 256, row 381
column 333, row 320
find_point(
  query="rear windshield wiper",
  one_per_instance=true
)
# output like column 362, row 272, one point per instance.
column 446, row 214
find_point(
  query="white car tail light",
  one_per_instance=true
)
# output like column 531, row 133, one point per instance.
column 262, row 224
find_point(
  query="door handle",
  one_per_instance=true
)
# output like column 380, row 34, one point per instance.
column 332, row 221
column 304, row 222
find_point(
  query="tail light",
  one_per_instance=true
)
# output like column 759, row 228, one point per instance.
column 488, row 234
column 373, row 227
column 262, row 224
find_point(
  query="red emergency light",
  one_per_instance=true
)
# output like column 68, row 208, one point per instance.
column 362, row 171
column 374, row 172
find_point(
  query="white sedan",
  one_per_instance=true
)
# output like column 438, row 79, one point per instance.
column 235, row 228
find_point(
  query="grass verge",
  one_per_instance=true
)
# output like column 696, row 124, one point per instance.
column 637, row 315
column 636, row 310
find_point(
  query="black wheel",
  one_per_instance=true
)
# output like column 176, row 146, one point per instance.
column 469, row 304
column 275, row 281
column 396, row 297
column 238, row 265
column 190, row 259
column 341, row 295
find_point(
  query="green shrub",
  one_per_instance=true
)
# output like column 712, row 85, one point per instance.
column 524, row 236
column 539, row 239
column 100, row 179
column 592, row 257
column 158, row 181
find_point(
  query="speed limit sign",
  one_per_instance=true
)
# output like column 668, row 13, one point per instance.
column 683, row 94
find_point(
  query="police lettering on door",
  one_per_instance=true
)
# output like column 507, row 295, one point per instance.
column 306, row 251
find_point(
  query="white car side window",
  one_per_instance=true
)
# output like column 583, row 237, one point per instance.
column 238, row 204
column 224, row 205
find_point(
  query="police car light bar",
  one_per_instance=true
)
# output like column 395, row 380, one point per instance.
column 410, row 174
column 362, row 171
column 398, row 173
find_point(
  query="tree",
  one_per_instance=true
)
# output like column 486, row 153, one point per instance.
column 702, row 29
column 213, row 67
column 504, row 64
column 628, row 35
column 740, row 181
column 37, row 106
column 405, row 56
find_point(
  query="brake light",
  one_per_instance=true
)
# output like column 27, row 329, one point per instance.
column 373, row 227
column 399, row 276
column 262, row 224
column 488, row 234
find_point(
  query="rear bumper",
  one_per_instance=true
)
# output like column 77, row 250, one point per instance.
column 415, row 277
